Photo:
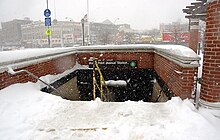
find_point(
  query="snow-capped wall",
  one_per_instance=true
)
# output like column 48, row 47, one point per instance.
column 175, row 50
column 164, row 59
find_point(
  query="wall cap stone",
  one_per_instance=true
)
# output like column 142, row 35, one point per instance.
column 29, row 61
column 180, row 55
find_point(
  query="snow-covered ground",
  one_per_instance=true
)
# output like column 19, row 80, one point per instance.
column 26, row 113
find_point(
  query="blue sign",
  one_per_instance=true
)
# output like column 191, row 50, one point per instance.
column 47, row 12
column 48, row 21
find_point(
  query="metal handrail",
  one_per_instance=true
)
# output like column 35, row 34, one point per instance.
column 12, row 72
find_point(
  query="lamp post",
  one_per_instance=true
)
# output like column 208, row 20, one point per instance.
column 83, row 37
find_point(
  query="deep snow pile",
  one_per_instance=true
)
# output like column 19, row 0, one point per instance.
column 28, row 113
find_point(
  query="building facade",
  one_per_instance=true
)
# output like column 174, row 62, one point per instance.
column 103, row 33
column 11, row 31
column 69, row 33
column 64, row 33
column 175, row 32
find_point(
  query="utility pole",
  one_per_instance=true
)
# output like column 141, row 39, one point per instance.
column 88, row 36
column 55, row 15
column 83, row 35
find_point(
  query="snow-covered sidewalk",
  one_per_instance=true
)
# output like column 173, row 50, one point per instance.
column 27, row 113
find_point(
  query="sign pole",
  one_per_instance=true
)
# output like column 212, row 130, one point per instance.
column 49, row 40
column 88, row 36
column 48, row 28
column 47, row 14
column 47, row 3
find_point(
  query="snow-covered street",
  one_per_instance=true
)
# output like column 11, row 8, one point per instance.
column 28, row 113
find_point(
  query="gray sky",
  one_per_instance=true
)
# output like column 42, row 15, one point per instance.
column 140, row 14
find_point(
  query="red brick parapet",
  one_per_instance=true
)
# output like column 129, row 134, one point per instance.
column 145, row 60
column 52, row 64
column 180, row 79
column 178, row 71
column 174, row 66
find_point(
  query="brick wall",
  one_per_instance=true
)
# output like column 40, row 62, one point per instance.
column 180, row 80
column 210, row 90
column 144, row 60
column 181, row 84
column 53, row 66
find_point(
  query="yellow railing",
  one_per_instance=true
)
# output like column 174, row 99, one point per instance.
column 102, row 82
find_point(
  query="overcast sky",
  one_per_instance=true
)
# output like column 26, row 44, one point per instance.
column 140, row 14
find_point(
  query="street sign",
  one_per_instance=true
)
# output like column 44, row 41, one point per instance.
column 48, row 32
column 48, row 21
column 118, row 64
column 47, row 12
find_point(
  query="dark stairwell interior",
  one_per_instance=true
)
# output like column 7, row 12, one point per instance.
column 141, row 84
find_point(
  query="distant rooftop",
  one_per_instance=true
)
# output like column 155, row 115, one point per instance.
column 107, row 22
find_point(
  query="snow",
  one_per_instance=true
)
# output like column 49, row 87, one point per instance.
column 52, row 78
column 7, row 56
column 27, row 54
column 32, row 114
column 177, row 50
column 116, row 83
column 210, row 1
column 178, row 72
column 10, row 70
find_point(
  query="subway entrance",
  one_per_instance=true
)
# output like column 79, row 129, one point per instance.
column 115, row 81
column 123, row 82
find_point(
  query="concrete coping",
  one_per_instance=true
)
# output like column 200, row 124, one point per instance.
column 180, row 55
column 26, row 61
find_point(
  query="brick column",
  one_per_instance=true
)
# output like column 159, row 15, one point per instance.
column 194, row 34
column 210, row 91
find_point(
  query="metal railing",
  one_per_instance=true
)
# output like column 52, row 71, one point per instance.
column 12, row 72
